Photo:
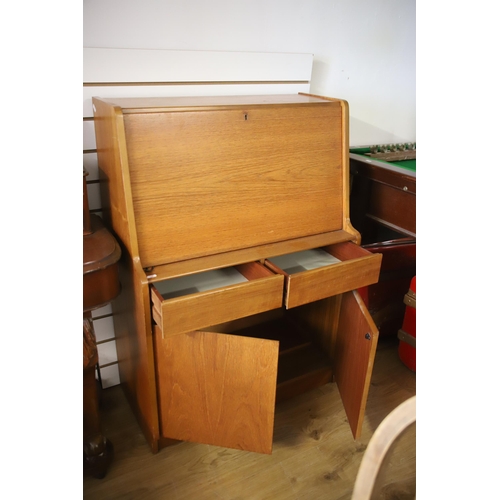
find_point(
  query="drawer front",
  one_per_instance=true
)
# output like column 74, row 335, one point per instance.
column 355, row 268
column 260, row 290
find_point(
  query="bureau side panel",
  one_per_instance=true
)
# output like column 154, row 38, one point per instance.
column 211, row 181
column 134, row 346
column 131, row 309
column 114, row 176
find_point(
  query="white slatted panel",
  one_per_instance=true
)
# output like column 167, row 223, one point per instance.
column 148, row 73
column 188, row 66
column 90, row 163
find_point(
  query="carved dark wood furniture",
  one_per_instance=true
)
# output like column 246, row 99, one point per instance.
column 383, row 209
column 101, row 253
column 383, row 195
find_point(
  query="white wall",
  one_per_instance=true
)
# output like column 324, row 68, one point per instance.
column 364, row 50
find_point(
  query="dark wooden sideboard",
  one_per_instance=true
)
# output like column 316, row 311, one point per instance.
column 383, row 209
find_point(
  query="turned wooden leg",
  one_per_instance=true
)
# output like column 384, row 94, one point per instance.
column 97, row 450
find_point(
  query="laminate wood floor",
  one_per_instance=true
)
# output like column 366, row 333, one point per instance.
column 314, row 454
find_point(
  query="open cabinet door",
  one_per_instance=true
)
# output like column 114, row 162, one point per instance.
column 355, row 349
column 217, row 389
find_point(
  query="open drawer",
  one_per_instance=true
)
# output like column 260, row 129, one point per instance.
column 320, row 273
column 196, row 301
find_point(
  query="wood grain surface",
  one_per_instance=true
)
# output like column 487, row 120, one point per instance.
column 217, row 389
column 235, row 178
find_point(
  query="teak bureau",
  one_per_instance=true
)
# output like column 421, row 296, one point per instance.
column 239, row 263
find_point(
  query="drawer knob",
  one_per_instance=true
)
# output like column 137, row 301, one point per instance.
column 368, row 336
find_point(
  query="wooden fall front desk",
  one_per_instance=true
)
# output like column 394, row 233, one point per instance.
column 239, row 265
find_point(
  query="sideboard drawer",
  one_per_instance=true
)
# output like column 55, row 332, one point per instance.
column 320, row 273
column 200, row 300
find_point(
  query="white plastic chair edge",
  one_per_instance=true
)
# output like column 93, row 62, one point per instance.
column 383, row 437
